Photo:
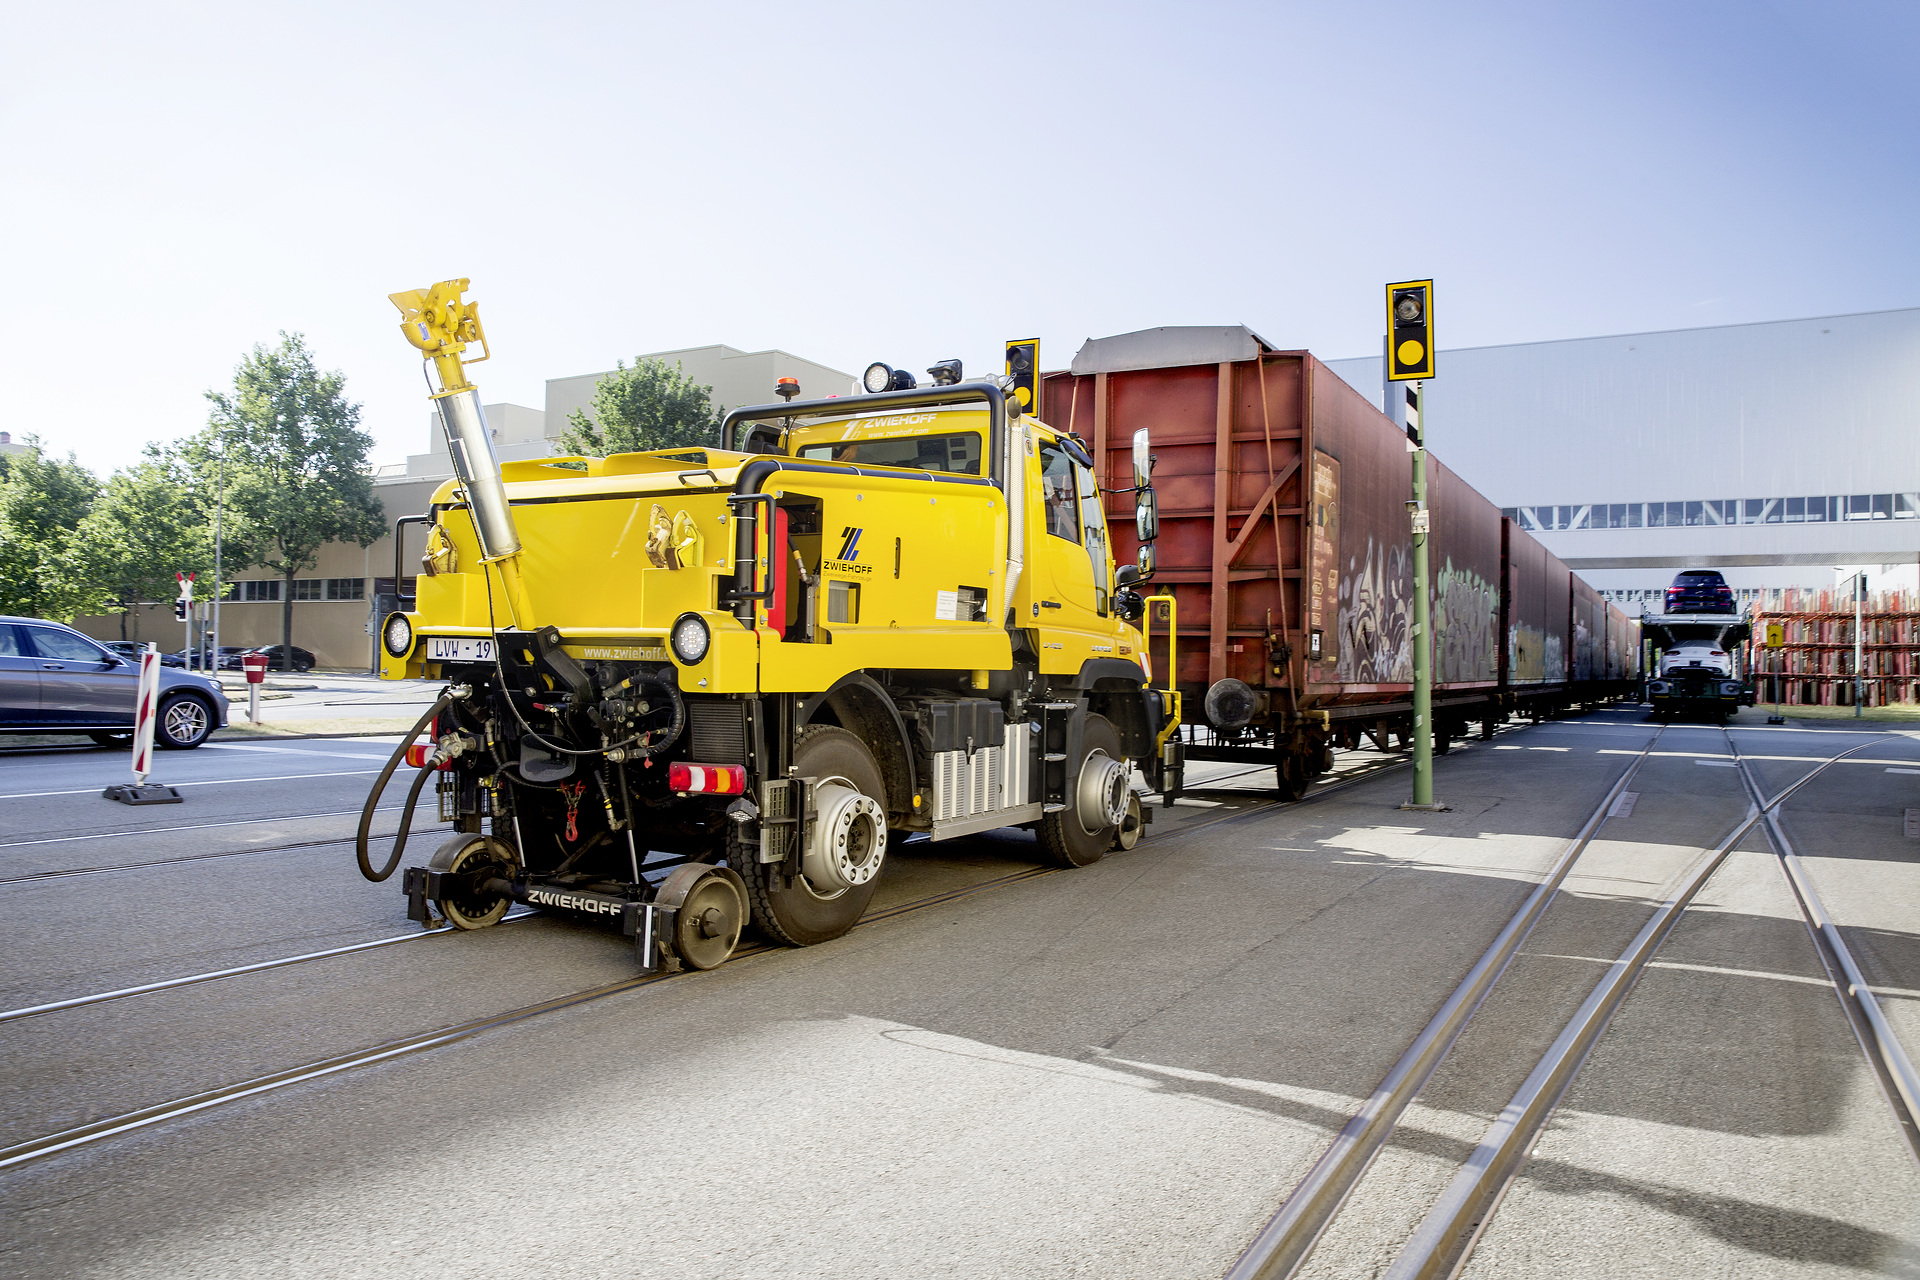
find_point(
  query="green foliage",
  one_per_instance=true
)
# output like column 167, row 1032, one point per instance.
column 652, row 405
column 295, row 465
column 149, row 523
column 42, row 501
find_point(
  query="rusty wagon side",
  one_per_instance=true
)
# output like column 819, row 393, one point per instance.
column 1286, row 543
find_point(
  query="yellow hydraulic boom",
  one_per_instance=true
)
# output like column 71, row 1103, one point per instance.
column 440, row 323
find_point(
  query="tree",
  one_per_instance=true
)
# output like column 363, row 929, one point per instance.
column 652, row 405
column 42, row 501
column 295, row 471
column 149, row 523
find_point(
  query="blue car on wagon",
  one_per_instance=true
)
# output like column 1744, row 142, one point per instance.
column 55, row 680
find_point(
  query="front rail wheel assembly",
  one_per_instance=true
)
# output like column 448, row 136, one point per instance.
column 710, row 908
column 846, row 845
column 478, row 859
column 1086, row 828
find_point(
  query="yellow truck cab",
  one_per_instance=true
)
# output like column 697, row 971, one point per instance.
column 692, row 687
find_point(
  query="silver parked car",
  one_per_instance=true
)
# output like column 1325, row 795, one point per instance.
column 55, row 680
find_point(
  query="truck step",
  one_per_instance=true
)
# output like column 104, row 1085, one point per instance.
column 1058, row 706
column 1053, row 757
column 1054, row 808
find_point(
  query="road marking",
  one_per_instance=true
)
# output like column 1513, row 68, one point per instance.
column 1903, row 771
column 1719, row 764
column 1682, row 755
column 1549, row 748
column 210, row 782
column 288, row 751
column 197, row 826
column 1722, row 969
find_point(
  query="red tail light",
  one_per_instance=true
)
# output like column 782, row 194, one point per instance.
column 710, row 779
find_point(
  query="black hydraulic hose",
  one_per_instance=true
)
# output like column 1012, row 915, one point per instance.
column 413, row 797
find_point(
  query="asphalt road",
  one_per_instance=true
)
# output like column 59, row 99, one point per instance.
column 1116, row 1071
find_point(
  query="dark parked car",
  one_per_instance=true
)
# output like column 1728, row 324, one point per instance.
column 229, row 658
column 55, row 680
column 1700, row 591
column 128, row 649
column 302, row 659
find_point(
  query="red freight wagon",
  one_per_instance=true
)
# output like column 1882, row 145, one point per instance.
column 1286, row 542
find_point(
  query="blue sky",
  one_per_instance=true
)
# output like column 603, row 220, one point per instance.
column 856, row 182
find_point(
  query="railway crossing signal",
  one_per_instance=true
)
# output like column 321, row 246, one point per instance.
column 1410, row 324
column 1410, row 359
column 1776, row 640
column 1023, row 366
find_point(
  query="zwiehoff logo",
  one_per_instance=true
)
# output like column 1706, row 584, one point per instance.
column 850, row 548
column 599, row 906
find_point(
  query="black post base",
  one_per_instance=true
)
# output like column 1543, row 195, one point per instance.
column 152, row 793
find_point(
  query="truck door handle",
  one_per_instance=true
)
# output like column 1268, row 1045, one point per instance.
column 1049, row 604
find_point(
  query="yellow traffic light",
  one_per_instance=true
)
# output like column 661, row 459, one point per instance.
column 1023, row 366
column 1410, row 326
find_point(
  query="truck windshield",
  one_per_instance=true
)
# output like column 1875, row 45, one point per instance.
column 957, row 453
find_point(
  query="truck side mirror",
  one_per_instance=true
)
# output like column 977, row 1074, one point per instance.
column 1147, row 559
column 1146, row 516
column 1142, row 460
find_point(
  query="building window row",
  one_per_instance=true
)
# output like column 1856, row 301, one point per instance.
column 1672, row 515
column 263, row 590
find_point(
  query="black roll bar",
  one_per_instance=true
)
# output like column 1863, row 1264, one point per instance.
column 891, row 402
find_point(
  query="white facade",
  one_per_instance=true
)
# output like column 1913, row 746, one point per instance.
column 736, row 377
column 1771, row 451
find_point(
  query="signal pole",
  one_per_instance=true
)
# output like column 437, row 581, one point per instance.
column 1410, row 358
column 1422, row 626
column 1859, row 600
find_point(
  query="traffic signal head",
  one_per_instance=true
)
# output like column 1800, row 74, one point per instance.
column 1023, row 366
column 1410, row 330
column 179, row 610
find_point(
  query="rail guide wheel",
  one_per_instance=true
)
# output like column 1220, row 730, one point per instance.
column 709, row 906
column 483, row 858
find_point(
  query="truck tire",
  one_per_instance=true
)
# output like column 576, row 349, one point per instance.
column 1065, row 840
column 790, row 908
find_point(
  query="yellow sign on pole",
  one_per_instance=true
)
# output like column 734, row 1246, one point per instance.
column 1776, row 635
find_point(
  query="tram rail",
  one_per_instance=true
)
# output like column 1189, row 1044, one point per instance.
column 146, row 1117
column 1445, row 1238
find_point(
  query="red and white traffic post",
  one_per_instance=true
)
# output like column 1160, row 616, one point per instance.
column 255, row 665
column 146, row 704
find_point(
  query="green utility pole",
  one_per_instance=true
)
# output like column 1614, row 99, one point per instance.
column 1422, row 630
column 1410, row 358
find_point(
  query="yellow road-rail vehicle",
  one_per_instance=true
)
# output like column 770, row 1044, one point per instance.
column 694, row 688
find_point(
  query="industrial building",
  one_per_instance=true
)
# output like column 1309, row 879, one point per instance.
column 1774, row 452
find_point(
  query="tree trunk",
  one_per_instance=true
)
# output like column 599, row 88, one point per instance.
column 286, row 621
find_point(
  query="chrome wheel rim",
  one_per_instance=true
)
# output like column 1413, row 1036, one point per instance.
column 185, row 720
